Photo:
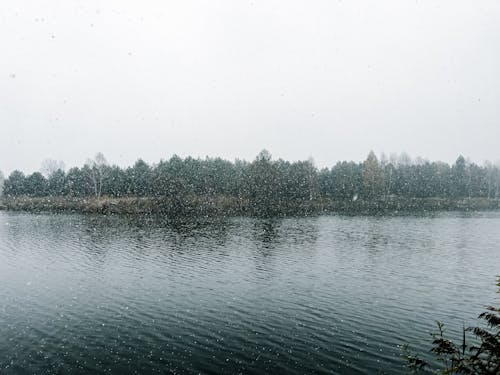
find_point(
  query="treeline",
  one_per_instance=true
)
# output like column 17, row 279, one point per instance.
column 268, row 185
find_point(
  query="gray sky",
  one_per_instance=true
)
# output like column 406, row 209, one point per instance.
column 327, row 79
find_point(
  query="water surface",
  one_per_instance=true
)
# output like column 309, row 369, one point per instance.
column 329, row 294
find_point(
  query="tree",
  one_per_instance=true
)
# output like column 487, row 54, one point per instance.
column 404, row 159
column 78, row 183
column 262, row 185
column 35, row 185
column 300, row 180
column 117, row 182
column 139, row 175
column 15, row 185
column 497, row 181
column 50, row 166
column 96, row 172
column 387, row 171
column 2, row 179
column 492, row 180
column 169, row 183
column 343, row 181
column 459, row 178
column 57, row 183
column 372, row 176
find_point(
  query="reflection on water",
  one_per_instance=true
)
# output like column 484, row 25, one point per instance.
column 266, row 231
column 144, row 294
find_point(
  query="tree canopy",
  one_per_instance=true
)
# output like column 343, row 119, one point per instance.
column 269, row 185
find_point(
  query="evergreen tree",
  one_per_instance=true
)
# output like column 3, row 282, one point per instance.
column 373, row 181
column 15, row 185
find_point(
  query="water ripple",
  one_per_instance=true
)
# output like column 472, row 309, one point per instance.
column 329, row 294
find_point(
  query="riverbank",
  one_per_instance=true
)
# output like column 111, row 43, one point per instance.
column 222, row 205
column 395, row 205
column 129, row 205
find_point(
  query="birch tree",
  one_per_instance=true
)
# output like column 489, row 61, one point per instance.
column 96, row 171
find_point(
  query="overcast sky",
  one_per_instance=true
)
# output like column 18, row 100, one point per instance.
column 327, row 79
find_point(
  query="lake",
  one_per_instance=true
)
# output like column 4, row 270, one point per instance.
column 327, row 294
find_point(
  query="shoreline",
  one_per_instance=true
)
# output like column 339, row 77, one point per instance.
column 233, row 206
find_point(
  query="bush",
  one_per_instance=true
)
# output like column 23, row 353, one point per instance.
column 480, row 355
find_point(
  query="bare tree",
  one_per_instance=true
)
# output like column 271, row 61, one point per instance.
column 96, row 169
column 50, row 166
column 394, row 159
column 404, row 159
column 493, row 179
column 387, row 165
